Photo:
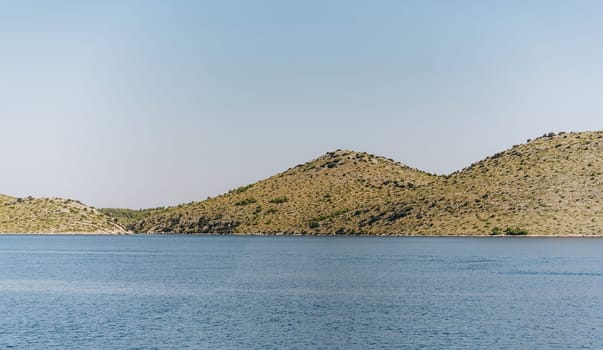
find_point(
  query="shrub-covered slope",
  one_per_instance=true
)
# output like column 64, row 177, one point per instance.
column 52, row 215
column 128, row 217
column 552, row 185
column 297, row 200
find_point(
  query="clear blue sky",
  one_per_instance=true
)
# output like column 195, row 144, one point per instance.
column 147, row 103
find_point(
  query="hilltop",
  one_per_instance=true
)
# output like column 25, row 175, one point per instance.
column 297, row 200
column 551, row 185
column 52, row 215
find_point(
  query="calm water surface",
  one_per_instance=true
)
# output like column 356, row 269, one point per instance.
column 177, row 292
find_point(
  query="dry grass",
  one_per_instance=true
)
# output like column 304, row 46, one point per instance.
column 295, row 200
column 551, row 186
column 52, row 215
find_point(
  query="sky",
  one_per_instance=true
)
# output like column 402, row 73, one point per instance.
column 122, row 103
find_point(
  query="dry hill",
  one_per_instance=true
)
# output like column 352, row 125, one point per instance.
column 52, row 215
column 297, row 200
column 551, row 186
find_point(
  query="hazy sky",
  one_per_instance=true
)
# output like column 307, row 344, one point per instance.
column 148, row 103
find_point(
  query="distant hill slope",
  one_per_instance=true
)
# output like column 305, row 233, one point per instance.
column 552, row 185
column 297, row 200
column 52, row 215
column 129, row 217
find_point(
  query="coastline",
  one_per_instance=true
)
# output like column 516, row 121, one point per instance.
column 65, row 234
column 294, row 235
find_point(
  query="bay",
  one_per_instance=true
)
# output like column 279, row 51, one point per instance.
column 231, row 292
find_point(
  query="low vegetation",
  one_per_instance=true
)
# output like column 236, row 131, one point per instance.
column 128, row 217
column 551, row 185
column 52, row 215
column 515, row 231
column 509, row 231
column 301, row 200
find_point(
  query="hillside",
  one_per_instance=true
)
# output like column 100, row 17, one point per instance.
column 128, row 217
column 52, row 215
column 296, row 200
column 551, row 185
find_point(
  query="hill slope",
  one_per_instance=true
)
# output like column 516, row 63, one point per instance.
column 52, row 215
column 552, row 185
column 129, row 217
column 296, row 200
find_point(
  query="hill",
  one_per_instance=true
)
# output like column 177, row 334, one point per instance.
column 52, row 215
column 551, row 185
column 297, row 200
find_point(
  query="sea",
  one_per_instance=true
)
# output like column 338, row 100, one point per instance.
column 253, row 292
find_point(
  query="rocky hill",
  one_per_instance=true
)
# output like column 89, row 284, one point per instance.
column 297, row 200
column 52, row 215
column 551, row 185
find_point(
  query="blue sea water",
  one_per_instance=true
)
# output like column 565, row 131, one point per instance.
column 221, row 292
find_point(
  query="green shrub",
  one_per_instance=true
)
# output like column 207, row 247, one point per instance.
column 496, row 231
column 331, row 164
column 241, row 189
column 271, row 211
column 279, row 200
column 246, row 201
column 515, row 231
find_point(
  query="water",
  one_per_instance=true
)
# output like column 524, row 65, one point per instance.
column 178, row 292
